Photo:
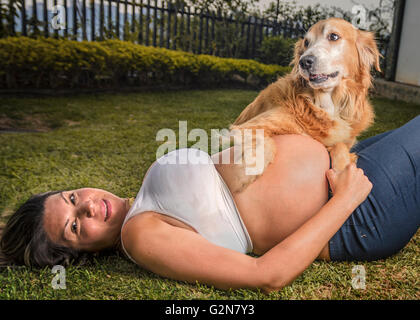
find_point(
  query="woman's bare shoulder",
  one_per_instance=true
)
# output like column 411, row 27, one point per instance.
column 137, row 225
column 147, row 224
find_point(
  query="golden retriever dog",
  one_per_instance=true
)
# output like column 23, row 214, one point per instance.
column 324, row 96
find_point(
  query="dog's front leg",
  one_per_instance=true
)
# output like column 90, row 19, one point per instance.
column 341, row 156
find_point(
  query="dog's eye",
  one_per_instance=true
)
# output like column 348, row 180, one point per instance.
column 333, row 37
column 306, row 43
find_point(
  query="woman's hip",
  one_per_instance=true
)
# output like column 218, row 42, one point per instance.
column 386, row 221
column 374, row 231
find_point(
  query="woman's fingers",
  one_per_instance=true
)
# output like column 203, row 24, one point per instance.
column 350, row 183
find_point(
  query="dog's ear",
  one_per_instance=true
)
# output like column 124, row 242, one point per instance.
column 299, row 50
column 368, row 50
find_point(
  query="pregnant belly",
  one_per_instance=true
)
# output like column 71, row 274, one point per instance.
column 291, row 190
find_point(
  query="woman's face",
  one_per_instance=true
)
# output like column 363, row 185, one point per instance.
column 85, row 219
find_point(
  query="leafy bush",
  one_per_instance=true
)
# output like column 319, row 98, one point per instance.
column 276, row 50
column 58, row 63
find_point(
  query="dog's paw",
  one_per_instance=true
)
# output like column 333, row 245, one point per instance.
column 242, row 181
column 340, row 165
column 354, row 157
column 340, row 156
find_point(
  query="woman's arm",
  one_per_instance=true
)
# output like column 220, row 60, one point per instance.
column 184, row 255
column 287, row 260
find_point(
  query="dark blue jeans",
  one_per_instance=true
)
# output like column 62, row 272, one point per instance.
column 390, row 216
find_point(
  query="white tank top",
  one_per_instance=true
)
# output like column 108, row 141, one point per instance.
column 184, row 184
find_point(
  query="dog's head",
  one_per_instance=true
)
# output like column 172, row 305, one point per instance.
column 333, row 50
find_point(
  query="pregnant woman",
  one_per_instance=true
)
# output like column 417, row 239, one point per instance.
column 185, row 224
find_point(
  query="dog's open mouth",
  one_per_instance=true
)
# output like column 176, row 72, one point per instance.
column 318, row 78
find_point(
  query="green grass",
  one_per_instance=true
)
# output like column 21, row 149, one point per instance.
column 108, row 141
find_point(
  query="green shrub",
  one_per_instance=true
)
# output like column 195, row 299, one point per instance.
column 276, row 50
column 58, row 63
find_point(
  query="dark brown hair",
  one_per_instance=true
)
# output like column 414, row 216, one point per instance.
column 25, row 242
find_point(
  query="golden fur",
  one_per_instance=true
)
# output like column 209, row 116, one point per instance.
column 291, row 105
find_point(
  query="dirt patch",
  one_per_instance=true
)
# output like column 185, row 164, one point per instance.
column 325, row 291
column 25, row 124
column 5, row 121
column 71, row 123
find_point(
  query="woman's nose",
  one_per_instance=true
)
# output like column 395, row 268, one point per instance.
column 89, row 208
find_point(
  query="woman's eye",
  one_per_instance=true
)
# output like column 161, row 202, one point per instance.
column 333, row 37
column 72, row 198
column 74, row 227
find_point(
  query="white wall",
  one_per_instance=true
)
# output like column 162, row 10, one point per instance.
column 408, row 65
column 345, row 4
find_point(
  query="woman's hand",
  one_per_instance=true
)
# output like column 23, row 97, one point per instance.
column 350, row 185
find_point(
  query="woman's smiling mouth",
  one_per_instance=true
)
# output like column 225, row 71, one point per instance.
column 108, row 209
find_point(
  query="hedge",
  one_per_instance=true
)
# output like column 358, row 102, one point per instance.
column 57, row 63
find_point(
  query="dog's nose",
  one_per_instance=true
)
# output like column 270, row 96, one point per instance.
column 307, row 62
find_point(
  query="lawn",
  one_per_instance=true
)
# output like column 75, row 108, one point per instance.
column 108, row 141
